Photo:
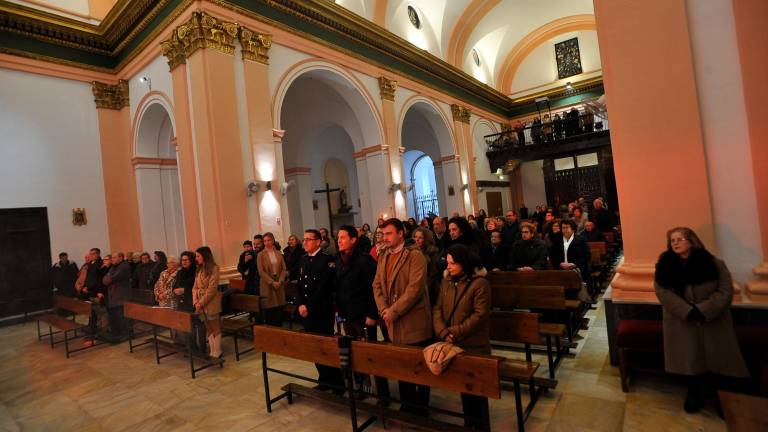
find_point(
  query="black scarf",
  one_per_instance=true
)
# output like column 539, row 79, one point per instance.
column 673, row 272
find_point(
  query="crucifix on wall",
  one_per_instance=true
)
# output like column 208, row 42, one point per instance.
column 327, row 191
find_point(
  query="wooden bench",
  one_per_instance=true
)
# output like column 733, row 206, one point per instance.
column 571, row 309
column 472, row 374
column 744, row 413
column 237, row 285
column 598, row 263
column 240, row 323
column 525, row 328
column 63, row 325
column 169, row 319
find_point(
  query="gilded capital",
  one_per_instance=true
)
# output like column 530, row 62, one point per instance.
column 110, row 96
column 201, row 31
column 460, row 114
column 255, row 45
column 387, row 88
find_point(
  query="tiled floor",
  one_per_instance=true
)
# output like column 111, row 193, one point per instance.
column 108, row 388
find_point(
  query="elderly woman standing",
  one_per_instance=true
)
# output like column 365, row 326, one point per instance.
column 695, row 290
column 165, row 283
column 461, row 316
column 272, row 273
column 206, row 297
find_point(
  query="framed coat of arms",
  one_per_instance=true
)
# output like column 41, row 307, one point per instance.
column 568, row 58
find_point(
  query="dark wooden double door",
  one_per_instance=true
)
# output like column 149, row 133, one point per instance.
column 587, row 182
column 25, row 261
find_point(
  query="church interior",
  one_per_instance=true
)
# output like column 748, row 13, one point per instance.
column 154, row 129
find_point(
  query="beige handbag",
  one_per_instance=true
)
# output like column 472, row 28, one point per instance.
column 439, row 355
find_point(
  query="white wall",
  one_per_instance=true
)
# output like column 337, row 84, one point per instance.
column 532, row 178
column 540, row 66
column 51, row 157
column 726, row 140
column 159, row 78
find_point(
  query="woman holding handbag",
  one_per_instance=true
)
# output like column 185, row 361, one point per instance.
column 461, row 316
column 272, row 273
column 206, row 297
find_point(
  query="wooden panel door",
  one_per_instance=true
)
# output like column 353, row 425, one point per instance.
column 495, row 206
column 25, row 261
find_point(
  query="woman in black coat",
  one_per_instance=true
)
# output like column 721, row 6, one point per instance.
column 292, row 253
column 182, row 289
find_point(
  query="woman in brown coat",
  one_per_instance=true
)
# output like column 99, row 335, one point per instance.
column 461, row 316
column 272, row 273
column 695, row 290
column 206, row 297
column 424, row 240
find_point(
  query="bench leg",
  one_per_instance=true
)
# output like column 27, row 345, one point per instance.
column 157, row 348
column 237, row 351
column 130, row 335
column 265, row 373
column 190, row 341
column 519, row 407
column 550, row 361
column 50, row 333
column 39, row 336
column 66, row 342
column 623, row 371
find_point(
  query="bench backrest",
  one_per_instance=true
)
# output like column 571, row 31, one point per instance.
column 569, row 280
column 473, row 374
column 291, row 289
column 527, row 296
column 237, row 285
column 244, row 303
column 297, row 345
column 515, row 327
column 159, row 316
column 72, row 304
column 598, row 245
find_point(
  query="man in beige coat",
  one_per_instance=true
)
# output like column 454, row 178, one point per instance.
column 400, row 290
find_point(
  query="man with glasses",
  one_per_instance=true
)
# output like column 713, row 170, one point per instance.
column 528, row 253
column 316, row 273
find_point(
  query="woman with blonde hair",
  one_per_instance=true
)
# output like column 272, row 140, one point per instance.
column 164, row 285
column 695, row 290
column 207, row 297
column 272, row 276
column 424, row 241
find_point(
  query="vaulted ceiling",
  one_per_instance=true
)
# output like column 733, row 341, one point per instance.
column 503, row 33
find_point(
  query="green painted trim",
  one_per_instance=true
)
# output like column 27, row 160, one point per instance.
column 559, row 102
column 46, row 49
column 144, row 34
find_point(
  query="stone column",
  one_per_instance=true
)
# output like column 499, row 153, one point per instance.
column 451, row 175
column 658, row 149
column 374, row 161
column 300, row 197
column 464, row 148
column 206, row 45
column 387, row 89
column 750, row 17
column 123, row 221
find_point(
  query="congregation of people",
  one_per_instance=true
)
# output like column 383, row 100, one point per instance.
column 412, row 283
column 547, row 128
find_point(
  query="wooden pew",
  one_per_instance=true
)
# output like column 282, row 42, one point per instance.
column 525, row 328
column 237, row 285
column 63, row 325
column 291, row 296
column 472, row 374
column 598, row 264
column 170, row 319
column 528, row 282
column 744, row 413
column 240, row 323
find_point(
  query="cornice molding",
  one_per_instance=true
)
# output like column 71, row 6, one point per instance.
column 110, row 96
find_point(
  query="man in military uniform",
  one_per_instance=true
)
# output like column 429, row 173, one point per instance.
column 316, row 275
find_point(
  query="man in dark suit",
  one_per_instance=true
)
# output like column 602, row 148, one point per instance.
column 570, row 251
column 316, row 276
column 64, row 275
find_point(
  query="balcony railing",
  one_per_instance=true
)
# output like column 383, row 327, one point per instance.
column 537, row 139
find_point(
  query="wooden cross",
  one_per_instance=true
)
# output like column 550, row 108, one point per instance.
column 327, row 191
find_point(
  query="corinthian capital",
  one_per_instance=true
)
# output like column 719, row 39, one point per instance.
column 110, row 96
column 460, row 114
column 255, row 45
column 201, row 31
column 387, row 87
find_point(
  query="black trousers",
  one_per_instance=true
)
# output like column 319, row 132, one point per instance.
column 415, row 397
column 476, row 412
column 358, row 330
column 273, row 316
column 116, row 321
column 321, row 322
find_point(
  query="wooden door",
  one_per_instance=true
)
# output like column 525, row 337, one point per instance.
column 493, row 200
column 25, row 261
